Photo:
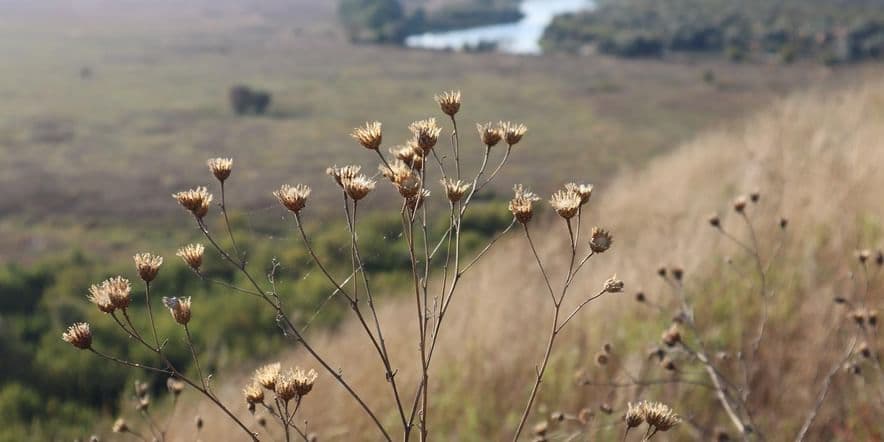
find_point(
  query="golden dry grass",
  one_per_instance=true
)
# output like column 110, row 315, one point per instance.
column 816, row 158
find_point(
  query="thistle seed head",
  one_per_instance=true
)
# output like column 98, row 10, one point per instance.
column 602, row 358
column 293, row 198
column 455, row 190
column 417, row 201
column 411, row 154
column 195, row 200
column 659, row 416
column 613, row 285
column 512, row 132
column 147, row 265
column 600, row 240
column 220, row 167
column 100, row 296
column 175, row 386
column 120, row 426
column 634, row 416
column 192, row 254
column 489, row 134
column 143, row 403
column 79, row 335
column 565, row 203
column 671, row 336
column 369, row 136
column 409, row 186
column 863, row 255
column 179, row 308
column 449, row 102
column 286, row 386
column 522, row 203
column 266, row 375
column 740, row 204
column 118, row 291
column 584, row 190
column 254, row 393
column 426, row 134
column 358, row 187
column 342, row 173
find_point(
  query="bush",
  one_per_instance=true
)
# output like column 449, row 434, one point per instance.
column 244, row 99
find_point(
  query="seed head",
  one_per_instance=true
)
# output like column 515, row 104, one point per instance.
column 120, row 426
column 148, row 265
column 411, row 154
column 266, row 375
column 755, row 196
column 455, row 190
column 677, row 273
column 174, row 386
column 489, row 134
column 196, row 200
column 305, row 380
column 601, row 358
column 342, row 173
column 659, row 416
column 220, row 167
column 254, row 394
column 417, row 201
column 369, row 136
column 358, row 187
column 565, row 203
column 671, row 336
column 449, row 102
column 714, row 220
column 141, row 388
column 740, row 204
column 410, row 186
column 864, row 350
column 426, row 133
column 100, row 296
column 634, row 416
column 143, row 403
column 600, row 240
column 179, row 308
column 118, row 291
column 79, row 335
column 192, row 254
column 286, row 386
column 512, row 132
column 613, row 285
column 584, row 190
column 540, row 428
column 522, row 203
column 397, row 172
column 293, row 198
column 863, row 255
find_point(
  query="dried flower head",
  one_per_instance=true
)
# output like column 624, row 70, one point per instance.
column 863, row 255
column 342, row 173
column 175, row 386
column 220, row 167
column 266, row 375
column 286, row 386
column 396, row 172
column 584, row 190
column 489, row 134
column 293, row 198
column 192, row 254
column 671, row 336
column 98, row 295
column 634, row 416
column 512, row 132
column 120, row 426
column 409, row 186
column 455, row 189
column 196, row 200
column 426, row 133
column 179, row 308
column 305, row 380
column 740, row 204
column 522, row 203
column 79, row 335
column 540, row 428
column 602, row 358
column 565, row 203
column 659, row 416
column 411, row 154
column 415, row 202
column 600, row 240
column 449, row 102
column 148, row 265
column 613, row 285
column 254, row 393
column 358, row 187
column 141, row 388
column 584, row 416
column 116, row 290
column 714, row 220
column 143, row 403
column 369, row 136
column 864, row 350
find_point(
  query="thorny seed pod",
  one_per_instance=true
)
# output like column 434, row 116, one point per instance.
column 179, row 308
column 455, row 190
column 540, row 428
column 659, row 416
column 522, row 203
column 304, row 381
column 410, row 154
column 358, row 187
column 120, row 426
column 449, row 102
column 512, row 132
column 489, row 134
column 584, row 190
column 601, row 358
column 410, row 186
column 195, row 200
column 714, row 220
column 740, row 204
column 341, row 173
column 672, row 336
column 293, row 198
column 147, row 265
column 565, row 203
column 613, row 285
column 266, row 375
column 396, row 172
column 426, row 133
column 254, row 393
column 633, row 416
column 79, row 335
column 369, row 135
column 192, row 254
column 600, row 240
column 220, row 167
column 174, row 386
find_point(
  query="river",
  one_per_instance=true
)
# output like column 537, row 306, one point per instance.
column 522, row 37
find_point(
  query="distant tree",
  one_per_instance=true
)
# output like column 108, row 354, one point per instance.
column 372, row 20
column 260, row 101
column 240, row 99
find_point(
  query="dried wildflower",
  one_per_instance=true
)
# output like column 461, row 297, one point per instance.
column 613, row 285
column 305, row 380
column 634, row 416
column 584, row 190
column 565, row 203
column 266, row 375
column 417, row 201
column 220, row 167
column 179, row 307
column 79, row 335
column 358, row 187
column 174, row 386
column 740, row 204
column 396, row 172
column 410, row 186
column 863, row 255
column 489, row 134
column 668, row 364
column 671, row 336
column 192, row 254
column 369, row 136
column 141, row 388
column 455, row 190
column 285, row 387
column 557, row 416
column 116, row 291
column 148, row 265
column 293, row 198
column 410, row 154
column 714, row 220
column 512, row 132
column 522, row 203
column 449, row 102
column 143, row 403
column 865, row 350
column 196, row 200
column 600, row 240
column 342, row 173
column 602, row 358
column 585, row 415
column 98, row 295
column 659, row 416
column 426, row 133
column 120, row 426
column 640, row 297
column 254, row 394
column 540, row 428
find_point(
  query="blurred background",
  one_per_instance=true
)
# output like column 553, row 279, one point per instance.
column 107, row 107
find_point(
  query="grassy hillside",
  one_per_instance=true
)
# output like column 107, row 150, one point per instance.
column 813, row 157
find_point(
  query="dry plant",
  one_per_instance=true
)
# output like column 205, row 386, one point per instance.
column 436, row 268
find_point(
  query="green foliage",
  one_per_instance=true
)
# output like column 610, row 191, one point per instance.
column 376, row 21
